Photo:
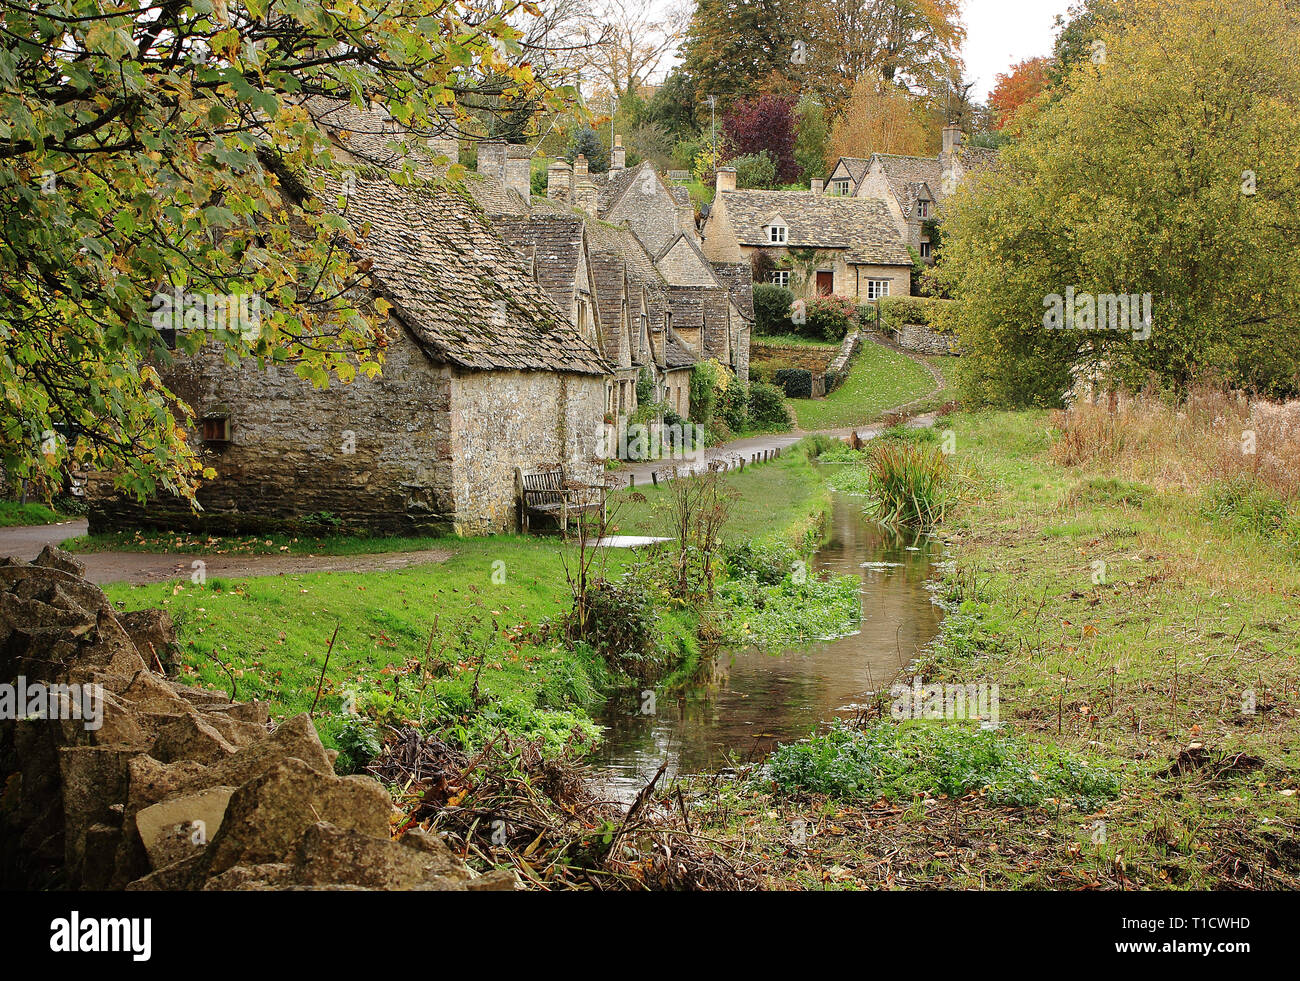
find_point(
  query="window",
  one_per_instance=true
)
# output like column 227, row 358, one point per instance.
column 923, row 209
column 776, row 234
column 840, row 187
column 781, row 277
column 876, row 288
column 925, row 248
column 216, row 429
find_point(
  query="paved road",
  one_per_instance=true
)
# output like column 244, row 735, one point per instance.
column 138, row 568
column 748, row 449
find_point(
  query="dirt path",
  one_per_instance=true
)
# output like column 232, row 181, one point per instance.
column 138, row 568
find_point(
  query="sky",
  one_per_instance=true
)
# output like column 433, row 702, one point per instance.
column 1000, row 33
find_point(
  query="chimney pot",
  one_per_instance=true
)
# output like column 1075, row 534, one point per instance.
column 951, row 137
column 726, row 180
column 617, row 154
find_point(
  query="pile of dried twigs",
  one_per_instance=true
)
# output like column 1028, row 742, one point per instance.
column 508, row 806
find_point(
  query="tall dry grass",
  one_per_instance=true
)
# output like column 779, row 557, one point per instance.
column 1215, row 436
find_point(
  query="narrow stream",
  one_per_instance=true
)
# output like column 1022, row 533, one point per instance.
column 757, row 700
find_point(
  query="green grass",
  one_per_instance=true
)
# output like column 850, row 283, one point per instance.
column 794, row 340
column 186, row 543
column 13, row 514
column 272, row 633
column 784, row 499
column 880, row 379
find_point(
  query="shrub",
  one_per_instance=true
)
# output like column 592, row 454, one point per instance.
column 768, row 563
column 755, row 171
column 733, row 406
column 829, row 317
column 772, row 309
column 767, row 407
column 621, row 621
column 895, row 311
column 795, row 382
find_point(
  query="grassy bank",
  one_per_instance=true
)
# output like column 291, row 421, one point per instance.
column 880, row 379
column 462, row 646
column 14, row 514
column 1135, row 624
column 785, row 499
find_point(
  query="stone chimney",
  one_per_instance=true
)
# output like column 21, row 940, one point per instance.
column 726, row 179
column 951, row 138
column 444, row 141
column 519, row 170
column 492, row 159
column 617, row 155
column 584, row 188
column 817, row 185
column 559, row 181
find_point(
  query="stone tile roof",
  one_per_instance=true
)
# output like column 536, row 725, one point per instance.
column 860, row 226
column 976, row 157
column 676, row 355
column 611, row 186
column 907, row 174
column 457, row 287
column 552, row 246
column 738, row 277
column 857, row 168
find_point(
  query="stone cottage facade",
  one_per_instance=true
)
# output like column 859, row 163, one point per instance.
column 484, row 372
column 912, row 188
column 810, row 242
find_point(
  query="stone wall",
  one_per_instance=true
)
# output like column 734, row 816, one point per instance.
column 815, row 359
column 914, row 337
column 422, row 449
column 649, row 210
column 375, row 453
column 177, row 787
column 531, row 420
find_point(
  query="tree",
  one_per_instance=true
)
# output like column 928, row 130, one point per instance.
column 912, row 43
column 153, row 150
column 812, row 139
column 627, row 41
column 882, row 118
column 1022, row 84
column 586, row 142
column 755, row 171
column 764, row 124
column 744, row 48
column 1167, row 170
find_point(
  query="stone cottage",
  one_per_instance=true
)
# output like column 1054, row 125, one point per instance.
column 484, row 372
column 812, row 243
column 912, row 188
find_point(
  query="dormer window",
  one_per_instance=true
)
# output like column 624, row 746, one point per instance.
column 923, row 209
column 840, row 187
column 776, row 234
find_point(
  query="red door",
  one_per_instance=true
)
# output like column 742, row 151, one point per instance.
column 825, row 283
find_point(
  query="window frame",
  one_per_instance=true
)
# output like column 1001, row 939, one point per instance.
column 778, row 234
column 877, row 288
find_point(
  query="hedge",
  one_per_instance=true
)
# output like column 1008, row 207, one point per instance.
column 796, row 382
column 772, row 309
column 895, row 311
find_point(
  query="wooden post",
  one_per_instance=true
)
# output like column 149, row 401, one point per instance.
column 654, row 477
column 631, row 480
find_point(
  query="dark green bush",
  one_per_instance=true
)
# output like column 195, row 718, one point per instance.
column 733, row 407
column 767, row 407
column 621, row 620
column 772, row 309
column 795, row 382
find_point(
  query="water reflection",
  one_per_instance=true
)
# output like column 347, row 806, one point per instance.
column 756, row 700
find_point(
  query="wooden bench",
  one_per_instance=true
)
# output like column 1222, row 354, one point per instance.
column 548, row 493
